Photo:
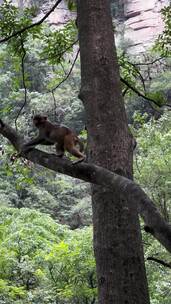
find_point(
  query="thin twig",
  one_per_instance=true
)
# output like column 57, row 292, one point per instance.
column 55, row 104
column 150, row 63
column 56, row 55
column 63, row 69
column 32, row 25
column 139, row 73
column 24, row 81
column 69, row 73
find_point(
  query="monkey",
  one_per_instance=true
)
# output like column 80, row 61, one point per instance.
column 61, row 136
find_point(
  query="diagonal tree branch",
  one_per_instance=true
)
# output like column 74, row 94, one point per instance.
column 139, row 93
column 32, row 25
column 161, row 262
column 158, row 227
column 68, row 74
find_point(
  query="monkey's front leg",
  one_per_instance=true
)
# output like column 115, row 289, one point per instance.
column 31, row 144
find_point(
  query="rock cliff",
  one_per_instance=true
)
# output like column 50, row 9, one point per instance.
column 139, row 21
column 143, row 23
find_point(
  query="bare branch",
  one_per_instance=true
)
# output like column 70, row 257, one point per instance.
column 32, row 25
column 139, row 73
column 55, row 104
column 161, row 262
column 150, row 63
column 139, row 93
column 24, row 81
column 158, row 227
column 125, row 91
column 69, row 73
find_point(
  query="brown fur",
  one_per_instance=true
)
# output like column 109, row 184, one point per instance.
column 63, row 138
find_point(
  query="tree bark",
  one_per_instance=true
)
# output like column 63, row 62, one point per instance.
column 117, row 239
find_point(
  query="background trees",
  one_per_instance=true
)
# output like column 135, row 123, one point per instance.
column 29, row 186
column 43, row 262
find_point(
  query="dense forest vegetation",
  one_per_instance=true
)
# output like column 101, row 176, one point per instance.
column 46, row 251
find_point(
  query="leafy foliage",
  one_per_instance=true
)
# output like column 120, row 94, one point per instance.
column 71, row 5
column 153, row 160
column 152, row 170
column 158, row 275
column 23, row 184
column 57, row 42
column 42, row 261
column 163, row 43
column 35, row 56
column 12, row 20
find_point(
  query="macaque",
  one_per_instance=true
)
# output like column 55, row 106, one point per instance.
column 49, row 134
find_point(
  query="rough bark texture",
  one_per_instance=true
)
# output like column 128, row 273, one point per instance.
column 117, row 239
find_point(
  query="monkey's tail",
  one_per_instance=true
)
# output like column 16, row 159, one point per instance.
column 77, row 140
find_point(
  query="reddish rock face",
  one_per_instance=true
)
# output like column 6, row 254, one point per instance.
column 143, row 23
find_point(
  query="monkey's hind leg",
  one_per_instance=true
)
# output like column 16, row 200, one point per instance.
column 78, row 161
column 75, row 152
column 59, row 150
column 69, row 145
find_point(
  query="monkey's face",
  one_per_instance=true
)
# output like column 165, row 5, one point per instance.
column 39, row 120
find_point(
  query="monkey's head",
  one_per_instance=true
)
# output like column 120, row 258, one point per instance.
column 39, row 120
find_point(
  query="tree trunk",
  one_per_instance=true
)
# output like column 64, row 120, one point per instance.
column 117, row 238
